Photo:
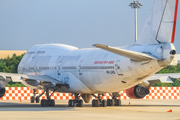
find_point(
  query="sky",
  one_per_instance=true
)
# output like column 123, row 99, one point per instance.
column 80, row 23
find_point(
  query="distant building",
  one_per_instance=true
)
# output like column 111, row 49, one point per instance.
column 176, row 60
column 5, row 53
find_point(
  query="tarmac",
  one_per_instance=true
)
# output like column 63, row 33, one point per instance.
column 136, row 110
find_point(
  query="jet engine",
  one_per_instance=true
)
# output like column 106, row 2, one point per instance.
column 2, row 92
column 137, row 92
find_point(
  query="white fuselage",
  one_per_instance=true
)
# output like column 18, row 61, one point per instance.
column 93, row 70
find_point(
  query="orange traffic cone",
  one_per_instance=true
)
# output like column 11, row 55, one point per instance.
column 169, row 110
column 129, row 102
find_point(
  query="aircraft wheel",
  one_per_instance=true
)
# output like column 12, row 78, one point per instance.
column 117, row 102
column 37, row 99
column 32, row 99
column 70, row 103
column 93, row 103
column 80, row 103
column 97, row 103
column 112, row 102
column 108, row 102
column 74, row 104
column 52, row 103
column 42, row 102
column 104, row 103
column 46, row 103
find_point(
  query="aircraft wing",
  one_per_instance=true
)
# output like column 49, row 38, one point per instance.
column 136, row 56
column 36, row 81
column 12, row 77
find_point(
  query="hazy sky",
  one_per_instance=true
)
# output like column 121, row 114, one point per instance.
column 80, row 23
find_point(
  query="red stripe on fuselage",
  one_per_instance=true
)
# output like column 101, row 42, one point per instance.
column 175, row 18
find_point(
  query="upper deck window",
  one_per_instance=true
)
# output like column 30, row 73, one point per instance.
column 41, row 51
column 31, row 52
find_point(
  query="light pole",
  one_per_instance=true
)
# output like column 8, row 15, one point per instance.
column 135, row 5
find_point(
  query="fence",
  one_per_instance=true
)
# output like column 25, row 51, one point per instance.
column 24, row 93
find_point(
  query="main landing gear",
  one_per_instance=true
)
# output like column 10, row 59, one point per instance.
column 48, row 101
column 44, row 102
column 114, row 101
column 103, row 103
column 99, row 102
column 75, row 103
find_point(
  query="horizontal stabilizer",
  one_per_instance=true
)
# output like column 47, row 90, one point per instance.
column 136, row 56
column 164, row 78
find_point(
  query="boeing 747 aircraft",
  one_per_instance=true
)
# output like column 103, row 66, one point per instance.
column 104, row 69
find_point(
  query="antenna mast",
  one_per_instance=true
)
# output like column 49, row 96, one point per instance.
column 135, row 5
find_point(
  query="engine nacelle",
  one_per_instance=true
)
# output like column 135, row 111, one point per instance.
column 2, row 92
column 137, row 92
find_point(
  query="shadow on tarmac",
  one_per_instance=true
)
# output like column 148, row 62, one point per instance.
column 7, row 106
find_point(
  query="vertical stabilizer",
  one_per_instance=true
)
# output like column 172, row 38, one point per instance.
column 161, row 23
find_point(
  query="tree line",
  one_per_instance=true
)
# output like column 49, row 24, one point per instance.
column 10, row 65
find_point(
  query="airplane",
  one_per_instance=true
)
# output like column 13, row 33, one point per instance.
column 104, row 69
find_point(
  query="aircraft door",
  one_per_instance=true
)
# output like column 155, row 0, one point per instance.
column 79, row 68
column 118, row 68
column 59, row 69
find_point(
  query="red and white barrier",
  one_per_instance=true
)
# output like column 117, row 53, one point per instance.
column 24, row 93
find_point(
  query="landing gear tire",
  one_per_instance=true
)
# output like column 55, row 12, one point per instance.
column 37, row 99
column 43, row 103
column 75, row 103
column 52, row 103
column 93, row 103
column 46, row 103
column 70, row 103
column 32, row 99
column 80, row 103
column 104, row 103
column 96, row 103
column 117, row 102
column 110, row 102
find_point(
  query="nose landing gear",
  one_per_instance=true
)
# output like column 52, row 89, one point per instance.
column 34, row 97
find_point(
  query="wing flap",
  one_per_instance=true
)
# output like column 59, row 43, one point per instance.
column 12, row 76
column 35, row 81
column 136, row 56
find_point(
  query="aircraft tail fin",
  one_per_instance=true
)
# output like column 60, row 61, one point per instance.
column 161, row 23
